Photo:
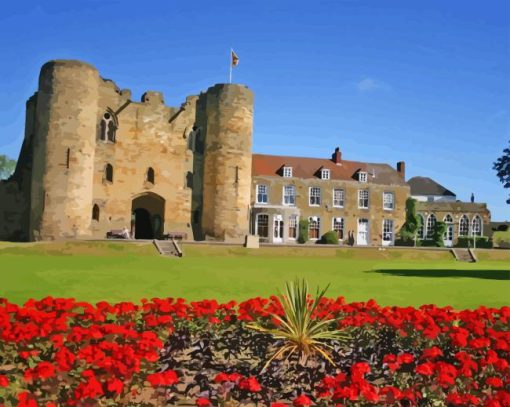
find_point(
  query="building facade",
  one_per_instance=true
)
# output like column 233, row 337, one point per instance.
column 435, row 203
column 94, row 161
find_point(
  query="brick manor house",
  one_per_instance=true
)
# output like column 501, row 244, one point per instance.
column 93, row 160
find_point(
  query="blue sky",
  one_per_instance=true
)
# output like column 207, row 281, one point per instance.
column 425, row 82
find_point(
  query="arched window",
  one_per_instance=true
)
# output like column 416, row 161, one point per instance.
column 108, row 172
column 476, row 226
column 464, row 226
column 419, row 233
column 448, row 234
column 95, row 213
column 431, row 223
column 108, row 127
column 150, row 175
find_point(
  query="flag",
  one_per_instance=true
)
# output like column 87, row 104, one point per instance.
column 234, row 58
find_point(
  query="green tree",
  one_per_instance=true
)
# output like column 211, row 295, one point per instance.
column 502, row 166
column 438, row 234
column 7, row 166
column 303, row 231
column 412, row 223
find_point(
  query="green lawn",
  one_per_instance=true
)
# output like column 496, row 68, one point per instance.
column 117, row 271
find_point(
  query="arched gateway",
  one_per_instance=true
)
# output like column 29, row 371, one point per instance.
column 148, row 216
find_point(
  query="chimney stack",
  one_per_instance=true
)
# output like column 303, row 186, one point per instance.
column 401, row 168
column 337, row 156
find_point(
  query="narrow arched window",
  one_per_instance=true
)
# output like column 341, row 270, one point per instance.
column 431, row 224
column 108, row 128
column 464, row 226
column 95, row 213
column 108, row 172
column 150, row 175
column 476, row 226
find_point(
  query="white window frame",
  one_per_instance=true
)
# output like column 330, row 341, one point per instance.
column 339, row 202
column 363, row 176
column 319, row 197
column 293, row 218
column 335, row 222
column 284, row 195
column 318, row 220
column 480, row 226
column 390, row 232
column 468, row 222
column 325, row 174
column 430, row 231
column 360, row 198
column 266, row 193
column 287, row 172
column 392, row 195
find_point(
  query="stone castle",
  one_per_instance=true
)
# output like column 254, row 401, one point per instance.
column 93, row 160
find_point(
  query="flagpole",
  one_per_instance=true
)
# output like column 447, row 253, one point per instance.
column 230, row 65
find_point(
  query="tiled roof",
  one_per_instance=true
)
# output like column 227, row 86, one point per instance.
column 305, row 167
column 427, row 186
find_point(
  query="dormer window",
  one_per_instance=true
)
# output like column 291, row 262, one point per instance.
column 325, row 174
column 287, row 172
column 362, row 176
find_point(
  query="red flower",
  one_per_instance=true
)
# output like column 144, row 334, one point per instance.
column 495, row 382
column 250, row 384
column 431, row 353
column 26, row 399
column 115, row 386
column 302, row 401
column 4, row 380
column 278, row 405
column 163, row 379
column 425, row 369
column 203, row 402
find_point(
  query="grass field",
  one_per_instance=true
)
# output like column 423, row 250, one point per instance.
column 116, row 271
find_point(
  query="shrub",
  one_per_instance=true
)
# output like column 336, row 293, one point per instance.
column 303, row 231
column 482, row 242
column 502, row 228
column 329, row 238
column 438, row 234
column 403, row 242
column 411, row 225
column 300, row 329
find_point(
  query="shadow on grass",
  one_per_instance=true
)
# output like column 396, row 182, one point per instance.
column 485, row 274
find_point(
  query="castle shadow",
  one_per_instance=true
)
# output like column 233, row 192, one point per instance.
column 440, row 273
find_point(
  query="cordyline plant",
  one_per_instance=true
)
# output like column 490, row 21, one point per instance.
column 301, row 333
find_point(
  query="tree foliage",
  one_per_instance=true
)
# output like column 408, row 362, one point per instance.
column 438, row 234
column 303, row 231
column 502, row 166
column 330, row 237
column 7, row 166
column 412, row 223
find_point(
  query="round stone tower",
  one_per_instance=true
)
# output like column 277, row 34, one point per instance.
column 227, row 162
column 64, row 145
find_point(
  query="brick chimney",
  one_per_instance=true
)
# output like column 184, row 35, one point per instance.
column 337, row 156
column 401, row 168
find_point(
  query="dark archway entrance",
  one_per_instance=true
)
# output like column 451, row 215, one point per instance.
column 148, row 211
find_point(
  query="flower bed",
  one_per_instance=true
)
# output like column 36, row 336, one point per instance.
column 63, row 352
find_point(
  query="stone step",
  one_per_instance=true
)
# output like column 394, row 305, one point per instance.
column 463, row 255
column 168, row 248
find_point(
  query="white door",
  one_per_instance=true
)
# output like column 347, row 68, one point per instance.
column 448, row 236
column 362, row 232
column 277, row 230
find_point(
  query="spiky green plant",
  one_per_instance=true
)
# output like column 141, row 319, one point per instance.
column 301, row 333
